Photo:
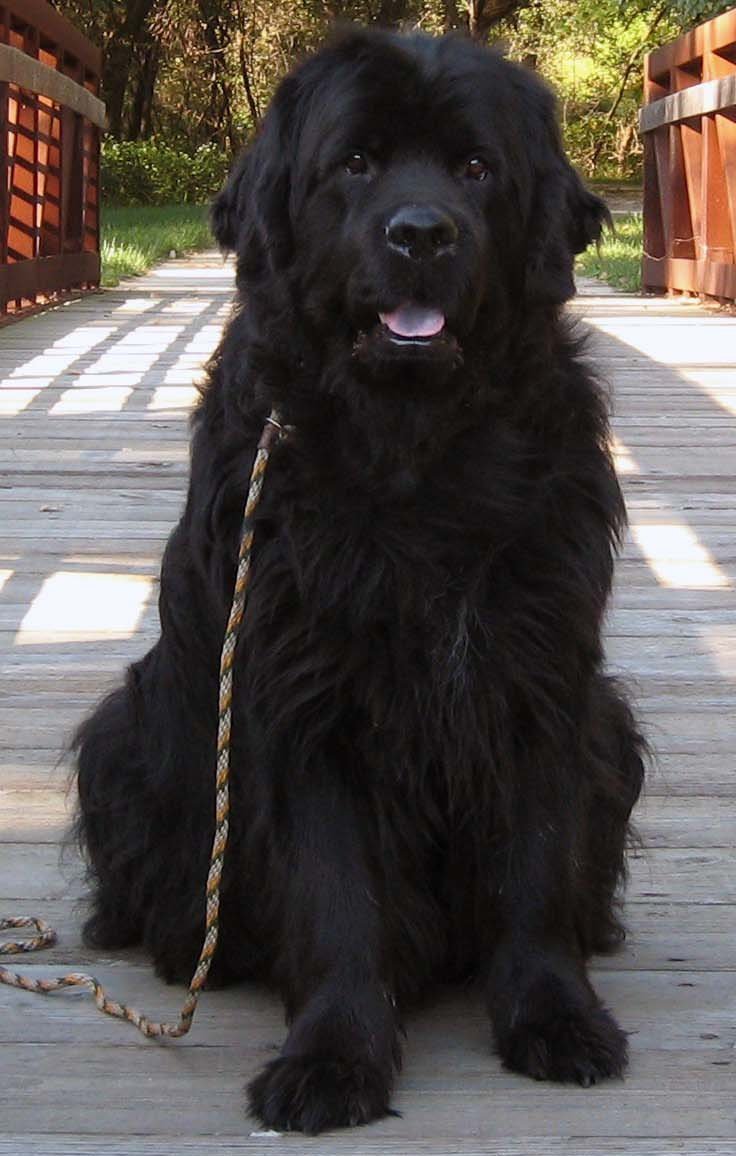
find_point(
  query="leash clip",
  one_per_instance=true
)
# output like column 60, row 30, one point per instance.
column 272, row 430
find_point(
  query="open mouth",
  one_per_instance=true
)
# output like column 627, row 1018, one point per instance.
column 410, row 324
column 409, row 334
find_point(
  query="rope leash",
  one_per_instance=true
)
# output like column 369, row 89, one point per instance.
column 47, row 936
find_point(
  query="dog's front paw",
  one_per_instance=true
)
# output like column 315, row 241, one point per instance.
column 313, row 1093
column 573, row 1045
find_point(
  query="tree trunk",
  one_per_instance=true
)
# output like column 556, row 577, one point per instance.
column 119, row 59
column 147, row 111
column 139, row 124
column 245, row 35
column 450, row 16
column 391, row 13
column 483, row 14
column 216, row 36
column 253, row 105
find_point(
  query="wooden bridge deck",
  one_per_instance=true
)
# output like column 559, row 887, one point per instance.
column 93, row 461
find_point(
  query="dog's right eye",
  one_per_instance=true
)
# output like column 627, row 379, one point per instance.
column 476, row 169
column 356, row 164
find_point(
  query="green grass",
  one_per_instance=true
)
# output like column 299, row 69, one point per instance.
column 134, row 239
column 619, row 260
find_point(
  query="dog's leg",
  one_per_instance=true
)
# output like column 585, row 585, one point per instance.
column 106, row 825
column 336, row 1067
column 547, row 1019
column 619, row 751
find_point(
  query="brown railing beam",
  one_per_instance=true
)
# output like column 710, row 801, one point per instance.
column 712, row 96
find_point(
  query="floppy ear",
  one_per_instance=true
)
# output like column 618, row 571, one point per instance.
column 224, row 209
column 250, row 214
column 566, row 218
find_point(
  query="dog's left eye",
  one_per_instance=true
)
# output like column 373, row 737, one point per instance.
column 476, row 169
column 356, row 164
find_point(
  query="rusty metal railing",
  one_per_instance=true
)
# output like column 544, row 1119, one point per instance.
column 50, row 122
column 688, row 124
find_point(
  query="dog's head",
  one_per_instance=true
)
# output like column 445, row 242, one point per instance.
column 411, row 192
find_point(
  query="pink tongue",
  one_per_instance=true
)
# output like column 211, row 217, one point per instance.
column 413, row 321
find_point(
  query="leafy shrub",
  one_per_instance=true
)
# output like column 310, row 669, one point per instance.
column 152, row 173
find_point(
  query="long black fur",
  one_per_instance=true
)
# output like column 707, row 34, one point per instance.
column 432, row 776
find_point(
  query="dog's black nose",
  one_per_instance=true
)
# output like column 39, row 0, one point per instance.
column 421, row 232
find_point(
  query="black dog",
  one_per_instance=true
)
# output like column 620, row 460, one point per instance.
column 432, row 777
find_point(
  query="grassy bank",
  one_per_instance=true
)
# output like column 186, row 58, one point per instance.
column 134, row 239
column 619, row 260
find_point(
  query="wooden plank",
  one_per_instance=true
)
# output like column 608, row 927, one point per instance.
column 688, row 49
column 714, row 278
column 683, row 821
column 364, row 1143
column 214, row 1107
column 702, row 769
column 680, row 1045
column 643, row 595
column 699, row 100
column 369, row 1144
column 660, row 623
column 35, row 730
column 41, row 814
column 667, row 875
column 43, row 275
column 661, row 936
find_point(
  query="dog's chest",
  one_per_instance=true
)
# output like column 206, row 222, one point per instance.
column 393, row 598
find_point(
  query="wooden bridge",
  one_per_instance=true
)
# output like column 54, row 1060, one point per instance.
column 93, row 462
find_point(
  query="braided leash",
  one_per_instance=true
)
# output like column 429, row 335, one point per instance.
column 47, row 936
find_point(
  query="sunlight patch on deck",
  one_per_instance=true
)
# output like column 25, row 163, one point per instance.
column 205, row 340
column 58, row 357
column 84, row 337
column 184, row 273
column 138, row 350
column 718, row 384
column 189, row 308
column 721, row 643
column 85, row 605
column 623, row 459
column 175, row 396
column 134, row 305
column 676, row 556
column 14, row 401
column 28, row 379
column 96, row 399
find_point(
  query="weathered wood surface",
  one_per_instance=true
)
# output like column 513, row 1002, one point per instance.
column 94, row 401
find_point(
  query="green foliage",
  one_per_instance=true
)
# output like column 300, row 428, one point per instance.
column 618, row 261
column 593, row 51
column 134, row 239
column 151, row 173
column 691, row 12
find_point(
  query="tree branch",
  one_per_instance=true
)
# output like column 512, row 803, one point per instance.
column 632, row 61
